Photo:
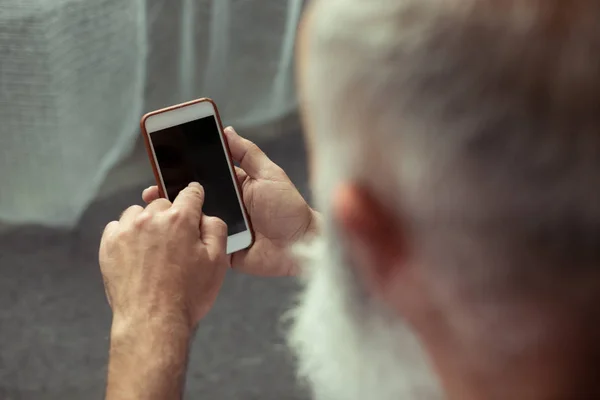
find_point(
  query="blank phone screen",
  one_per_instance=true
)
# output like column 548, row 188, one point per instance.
column 193, row 152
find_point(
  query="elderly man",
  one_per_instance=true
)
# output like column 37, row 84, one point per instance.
column 455, row 157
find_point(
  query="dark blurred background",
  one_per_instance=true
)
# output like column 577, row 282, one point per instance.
column 75, row 77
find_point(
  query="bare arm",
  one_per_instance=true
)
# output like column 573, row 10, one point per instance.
column 163, row 267
column 148, row 360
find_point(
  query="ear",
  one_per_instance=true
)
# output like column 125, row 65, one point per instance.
column 376, row 241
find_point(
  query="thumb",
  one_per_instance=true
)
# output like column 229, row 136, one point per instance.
column 214, row 235
column 250, row 157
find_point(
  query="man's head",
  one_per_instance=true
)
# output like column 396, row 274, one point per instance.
column 455, row 151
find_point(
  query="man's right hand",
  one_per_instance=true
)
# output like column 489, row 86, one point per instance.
column 279, row 214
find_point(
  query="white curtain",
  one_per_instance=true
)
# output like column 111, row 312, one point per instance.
column 76, row 75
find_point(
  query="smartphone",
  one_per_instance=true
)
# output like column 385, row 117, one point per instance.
column 185, row 143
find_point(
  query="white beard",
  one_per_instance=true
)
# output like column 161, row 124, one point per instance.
column 348, row 346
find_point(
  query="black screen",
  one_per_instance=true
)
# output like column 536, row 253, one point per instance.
column 192, row 152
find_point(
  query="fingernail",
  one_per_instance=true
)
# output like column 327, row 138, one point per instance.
column 195, row 184
column 229, row 131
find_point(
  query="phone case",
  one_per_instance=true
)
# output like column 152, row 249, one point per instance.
column 229, row 157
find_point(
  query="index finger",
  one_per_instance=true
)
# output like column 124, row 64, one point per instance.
column 190, row 200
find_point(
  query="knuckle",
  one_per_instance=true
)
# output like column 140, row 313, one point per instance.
column 142, row 220
column 130, row 210
column 122, row 235
column 176, row 216
column 134, row 208
column 109, row 228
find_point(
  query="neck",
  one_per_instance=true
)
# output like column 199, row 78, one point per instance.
column 530, row 378
column 530, row 359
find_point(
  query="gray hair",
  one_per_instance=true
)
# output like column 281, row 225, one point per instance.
column 478, row 121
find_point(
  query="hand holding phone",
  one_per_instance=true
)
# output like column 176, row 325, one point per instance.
column 185, row 144
column 280, row 216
